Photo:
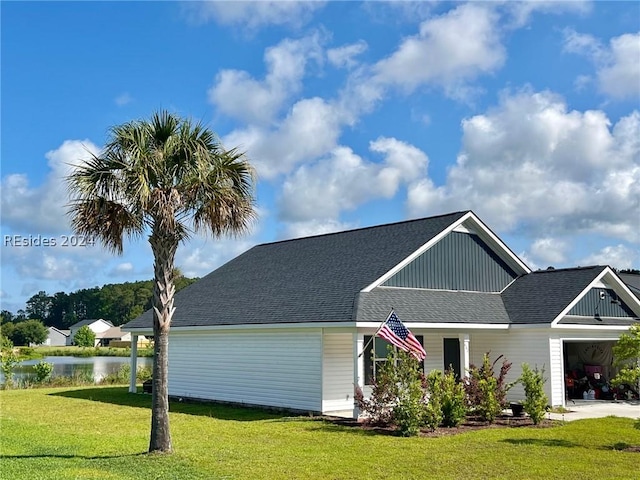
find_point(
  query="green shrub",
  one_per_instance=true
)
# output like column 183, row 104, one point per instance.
column 398, row 396
column 408, row 412
column 535, row 403
column 433, row 415
column 8, row 361
column 452, row 399
column 43, row 371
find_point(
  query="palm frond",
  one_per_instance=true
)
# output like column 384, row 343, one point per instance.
column 107, row 220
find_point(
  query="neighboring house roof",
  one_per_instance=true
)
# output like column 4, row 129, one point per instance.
column 66, row 333
column 82, row 323
column 541, row 296
column 112, row 333
column 313, row 279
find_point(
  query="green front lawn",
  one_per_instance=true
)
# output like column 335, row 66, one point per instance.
column 102, row 433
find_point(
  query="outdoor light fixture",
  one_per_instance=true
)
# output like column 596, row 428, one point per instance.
column 596, row 313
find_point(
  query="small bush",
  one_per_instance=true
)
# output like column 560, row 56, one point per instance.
column 452, row 399
column 408, row 412
column 398, row 396
column 433, row 417
column 8, row 361
column 535, row 403
column 43, row 371
column 486, row 393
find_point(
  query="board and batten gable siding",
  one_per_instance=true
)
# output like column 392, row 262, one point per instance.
column 460, row 261
column 611, row 306
column 280, row 368
column 337, row 374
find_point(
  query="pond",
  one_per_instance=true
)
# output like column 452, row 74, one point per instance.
column 99, row 367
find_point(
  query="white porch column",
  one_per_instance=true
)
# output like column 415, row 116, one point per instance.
column 464, row 354
column 358, row 367
column 133, row 364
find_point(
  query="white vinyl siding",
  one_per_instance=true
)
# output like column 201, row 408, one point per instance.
column 277, row 369
column 337, row 377
column 518, row 346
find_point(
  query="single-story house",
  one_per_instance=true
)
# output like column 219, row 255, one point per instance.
column 104, row 339
column 56, row 337
column 98, row 326
column 285, row 324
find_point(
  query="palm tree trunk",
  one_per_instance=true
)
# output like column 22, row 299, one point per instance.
column 164, row 249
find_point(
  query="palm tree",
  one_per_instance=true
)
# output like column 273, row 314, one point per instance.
column 169, row 178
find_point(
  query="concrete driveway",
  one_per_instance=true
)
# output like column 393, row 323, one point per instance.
column 599, row 408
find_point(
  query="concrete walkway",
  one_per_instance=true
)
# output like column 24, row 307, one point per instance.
column 599, row 408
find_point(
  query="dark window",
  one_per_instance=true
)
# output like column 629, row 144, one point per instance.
column 451, row 355
column 371, row 362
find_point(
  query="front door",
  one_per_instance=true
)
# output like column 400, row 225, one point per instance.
column 452, row 355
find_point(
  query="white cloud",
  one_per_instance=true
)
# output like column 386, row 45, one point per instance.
column 308, row 228
column 344, row 181
column 521, row 12
column 345, row 56
column 620, row 76
column 201, row 256
column 532, row 164
column 549, row 250
column 310, row 129
column 254, row 14
column 41, row 209
column 124, row 268
column 449, row 50
column 123, row 99
column 617, row 65
column 616, row 256
column 237, row 94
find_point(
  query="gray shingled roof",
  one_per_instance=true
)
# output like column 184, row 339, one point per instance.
column 313, row 279
column 633, row 282
column 541, row 296
column 431, row 306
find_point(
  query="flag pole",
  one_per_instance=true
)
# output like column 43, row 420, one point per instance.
column 364, row 349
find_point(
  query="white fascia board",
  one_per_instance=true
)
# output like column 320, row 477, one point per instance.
column 573, row 326
column 137, row 331
column 612, row 281
column 573, row 303
column 431, row 326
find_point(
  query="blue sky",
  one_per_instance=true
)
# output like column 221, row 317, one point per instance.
column 354, row 114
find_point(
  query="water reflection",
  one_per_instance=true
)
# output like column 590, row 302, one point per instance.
column 98, row 367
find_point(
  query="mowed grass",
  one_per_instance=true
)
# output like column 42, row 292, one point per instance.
column 103, row 433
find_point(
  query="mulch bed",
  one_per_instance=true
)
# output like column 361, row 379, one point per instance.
column 470, row 424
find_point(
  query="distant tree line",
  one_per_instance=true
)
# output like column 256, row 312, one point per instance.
column 118, row 303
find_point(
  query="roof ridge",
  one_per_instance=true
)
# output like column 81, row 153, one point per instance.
column 364, row 228
column 566, row 269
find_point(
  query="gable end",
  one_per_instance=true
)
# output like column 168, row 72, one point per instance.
column 459, row 261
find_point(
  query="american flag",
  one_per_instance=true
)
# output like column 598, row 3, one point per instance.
column 394, row 332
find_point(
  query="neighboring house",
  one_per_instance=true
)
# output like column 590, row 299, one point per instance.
column 56, row 338
column 103, row 339
column 98, row 326
column 285, row 324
